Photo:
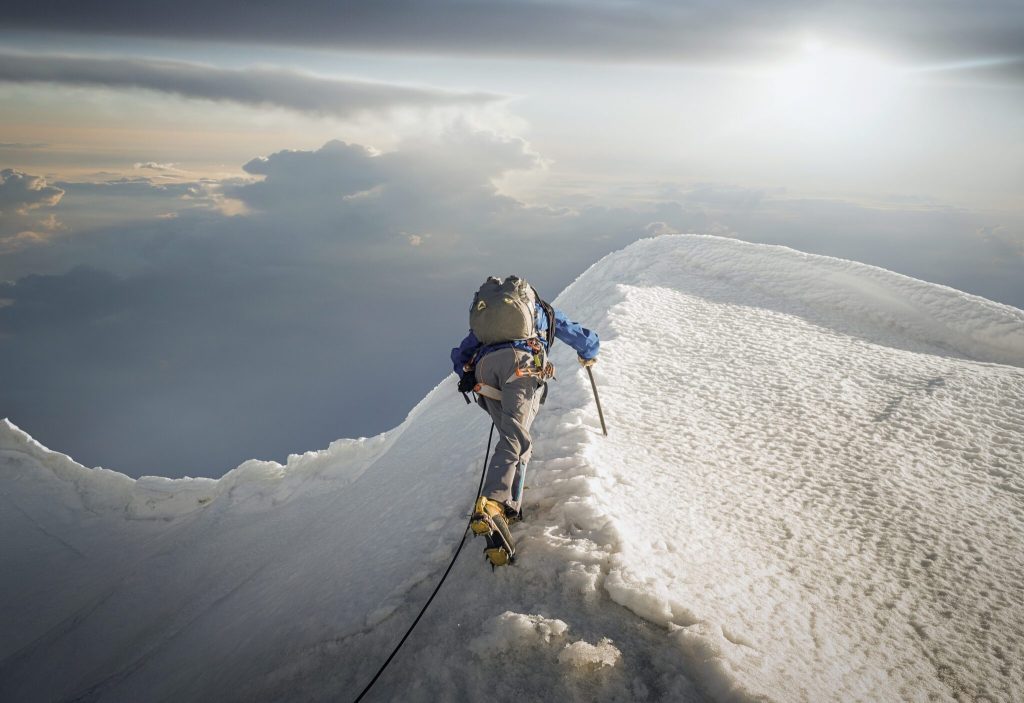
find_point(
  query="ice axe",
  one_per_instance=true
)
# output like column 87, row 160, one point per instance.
column 597, row 400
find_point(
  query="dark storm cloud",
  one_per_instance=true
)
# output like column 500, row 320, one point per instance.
column 250, row 86
column 923, row 30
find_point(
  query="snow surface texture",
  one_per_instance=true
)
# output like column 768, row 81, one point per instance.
column 812, row 490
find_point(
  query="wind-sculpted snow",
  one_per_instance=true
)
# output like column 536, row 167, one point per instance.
column 812, row 490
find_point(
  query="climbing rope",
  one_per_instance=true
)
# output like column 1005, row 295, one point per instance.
column 440, row 583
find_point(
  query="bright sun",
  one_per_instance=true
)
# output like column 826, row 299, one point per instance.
column 830, row 88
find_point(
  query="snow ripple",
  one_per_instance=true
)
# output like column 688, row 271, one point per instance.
column 813, row 512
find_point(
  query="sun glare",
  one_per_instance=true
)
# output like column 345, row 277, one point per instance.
column 826, row 87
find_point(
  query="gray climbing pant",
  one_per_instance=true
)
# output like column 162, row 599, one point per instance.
column 512, row 415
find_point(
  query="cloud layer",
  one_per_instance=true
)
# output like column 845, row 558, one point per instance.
column 923, row 30
column 186, row 345
column 250, row 86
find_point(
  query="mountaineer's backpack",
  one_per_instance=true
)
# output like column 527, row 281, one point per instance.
column 505, row 311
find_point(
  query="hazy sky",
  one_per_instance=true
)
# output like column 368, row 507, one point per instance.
column 229, row 234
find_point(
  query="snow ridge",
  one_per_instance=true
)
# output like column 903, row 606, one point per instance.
column 811, row 490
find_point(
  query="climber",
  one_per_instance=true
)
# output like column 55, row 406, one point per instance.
column 504, row 362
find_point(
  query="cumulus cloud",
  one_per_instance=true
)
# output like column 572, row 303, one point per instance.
column 922, row 30
column 443, row 185
column 20, row 240
column 1006, row 242
column 21, row 192
column 294, row 178
column 249, row 86
column 22, row 195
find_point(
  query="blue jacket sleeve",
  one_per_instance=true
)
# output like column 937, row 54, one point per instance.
column 464, row 352
column 576, row 336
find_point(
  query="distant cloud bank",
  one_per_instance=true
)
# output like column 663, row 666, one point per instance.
column 292, row 90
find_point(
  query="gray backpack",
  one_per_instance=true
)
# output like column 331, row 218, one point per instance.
column 504, row 311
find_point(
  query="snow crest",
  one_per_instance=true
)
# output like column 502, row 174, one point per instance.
column 811, row 490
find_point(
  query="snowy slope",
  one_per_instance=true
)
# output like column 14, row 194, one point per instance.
column 812, row 490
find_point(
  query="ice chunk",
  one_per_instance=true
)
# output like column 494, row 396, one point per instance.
column 583, row 655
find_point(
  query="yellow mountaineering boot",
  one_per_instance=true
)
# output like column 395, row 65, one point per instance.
column 489, row 520
column 483, row 515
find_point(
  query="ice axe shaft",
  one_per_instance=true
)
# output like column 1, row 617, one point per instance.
column 597, row 400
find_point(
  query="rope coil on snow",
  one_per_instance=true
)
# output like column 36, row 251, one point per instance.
column 440, row 583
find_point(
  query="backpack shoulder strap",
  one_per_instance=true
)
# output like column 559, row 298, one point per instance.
column 550, row 312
